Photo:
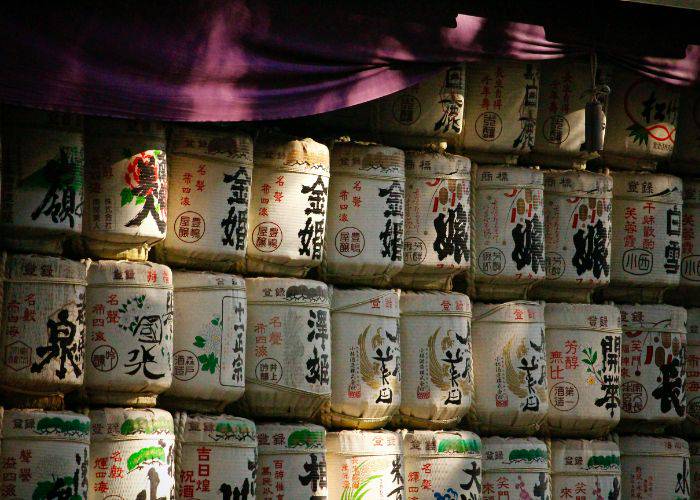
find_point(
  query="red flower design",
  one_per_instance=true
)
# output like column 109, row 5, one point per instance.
column 138, row 163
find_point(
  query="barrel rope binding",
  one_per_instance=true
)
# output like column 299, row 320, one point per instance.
column 322, row 305
column 304, row 168
column 371, row 177
column 180, row 427
column 210, row 288
column 292, row 390
column 48, row 281
column 241, row 161
column 131, row 285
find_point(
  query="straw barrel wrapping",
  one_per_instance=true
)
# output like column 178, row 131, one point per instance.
column 657, row 468
column 365, row 464
column 42, row 179
column 641, row 125
column 366, row 389
column 510, row 374
column 132, row 454
column 365, row 215
column 436, row 226
column 695, row 469
column 210, row 174
column 43, row 327
column 587, row 468
column 129, row 337
column 126, row 202
column 287, row 207
column 208, row 340
column 288, row 348
column 653, row 361
column 500, row 107
column 508, row 227
column 436, row 363
column 646, row 244
column 220, row 451
column 583, row 358
column 692, row 370
column 291, row 461
column 515, row 467
column 577, row 214
column 433, row 109
column 442, row 464
column 44, row 455
column 690, row 265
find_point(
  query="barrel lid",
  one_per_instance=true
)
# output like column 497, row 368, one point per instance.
column 127, row 273
column 105, row 128
column 288, row 290
column 299, row 437
column 691, row 190
column 46, row 425
column 14, row 116
column 693, row 324
column 580, row 183
column 584, row 316
column 222, row 430
column 121, row 424
column 646, row 445
column 508, row 453
column 647, row 186
column 285, row 153
column 368, row 159
column 226, row 145
column 364, row 443
column 504, row 176
column 206, row 279
column 415, row 303
column 441, row 444
column 432, row 164
column 654, row 317
column 31, row 267
column 519, row 311
column 365, row 301
column 582, row 455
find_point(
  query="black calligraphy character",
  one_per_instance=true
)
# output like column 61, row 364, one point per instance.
column 394, row 199
column 451, row 234
column 317, row 197
column 528, row 249
column 591, row 253
column 237, row 220
column 610, row 350
column 526, row 138
column 474, row 475
column 385, row 393
column 236, row 493
column 311, row 235
column 146, row 175
column 316, row 474
column 318, row 368
column 540, row 489
column 670, row 390
column 318, row 322
column 451, row 102
column 532, row 403
column 61, row 175
column 60, row 346
column 153, row 482
column 615, row 492
column 142, row 364
column 397, row 478
column 682, row 479
column 648, row 106
column 454, row 396
column 391, row 239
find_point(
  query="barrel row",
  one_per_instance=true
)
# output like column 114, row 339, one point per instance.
column 131, row 453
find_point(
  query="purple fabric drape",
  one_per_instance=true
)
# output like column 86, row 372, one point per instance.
column 241, row 60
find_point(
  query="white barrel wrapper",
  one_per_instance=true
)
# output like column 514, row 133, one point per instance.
column 585, row 469
column 437, row 383
column 515, row 468
column 510, row 374
column 692, row 371
column 366, row 383
column 365, row 240
column 210, row 177
column 436, row 224
column 695, row 469
column 132, row 454
column 657, row 468
column 292, row 461
column 129, row 337
column 44, row 455
column 690, row 263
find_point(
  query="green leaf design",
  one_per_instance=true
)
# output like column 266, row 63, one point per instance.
column 215, row 321
column 594, row 358
column 151, row 453
column 209, row 362
column 638, row 134
column 199, row 342
column 140, row 200
column 127, row 196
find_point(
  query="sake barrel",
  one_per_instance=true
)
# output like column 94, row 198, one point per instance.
column 42, row 180
column 437, row 382
column 585, row 469
column 695, row 469
column 653, row 365
column 692, row 372
column 500, row 109
column 508, row 231
column 287, row 221
column 690, row 253
column 432, row 109
column 654, row 467
column 577, row 214
column 45, row 454
column 583, row 346
column 365, row 464
column 130, row 332
column 208, row 341
column 436, row 221
column 515, row 468
column 126, row 202
column 442, row 464
column 288, row 348
column 686, row 149
column 365, row 239
column 366, row 384
column 646, row 246
column 508, row 349
column 210, row 174
column 641, row 125
column 132, row 454
column 291, row 461
column 216, row 456
column 43, row 330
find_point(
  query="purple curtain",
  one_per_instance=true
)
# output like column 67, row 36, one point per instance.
column 241, row 60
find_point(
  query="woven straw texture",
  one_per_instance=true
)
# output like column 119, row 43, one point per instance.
column 587, row 468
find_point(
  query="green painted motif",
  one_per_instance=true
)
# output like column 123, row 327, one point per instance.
column 305, row 438
column 527, row 455
column 604, row 461
column 146, row 426
column 73, row 427
column 61, row 487
column 459, row 445
column 362, row 489
column 145, row 455
column 209, row 360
